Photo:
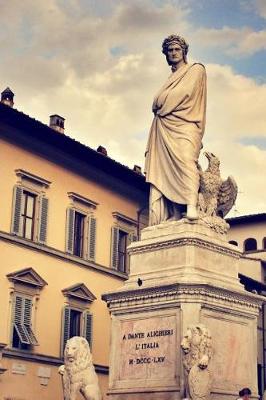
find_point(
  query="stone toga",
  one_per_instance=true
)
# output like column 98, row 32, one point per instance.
column 175, row 138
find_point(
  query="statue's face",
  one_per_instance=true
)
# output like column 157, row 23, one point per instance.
column 174, row 54
column 185, row 344
column 71, row 351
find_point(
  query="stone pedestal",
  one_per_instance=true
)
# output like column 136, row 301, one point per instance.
column 181, row 273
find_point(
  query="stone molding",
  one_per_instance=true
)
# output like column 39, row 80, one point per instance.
column 25, row 175
column 75, row 197
column 124, row 219
column 79, row 291
column 27, row 276
column 137, row 248
column 175, row 292
column 44, row 359
column 80, row 262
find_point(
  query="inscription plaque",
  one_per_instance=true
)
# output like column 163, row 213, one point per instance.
column 148, row 348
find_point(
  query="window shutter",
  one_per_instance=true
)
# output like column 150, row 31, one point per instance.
column 87, row 327
column 70, row 230
column 91, row 238
column 114, row 247
column 65, row 328
column 27, row 321
column 18, row 320
column 43, row 219
column 16, row 212
column 22, row 320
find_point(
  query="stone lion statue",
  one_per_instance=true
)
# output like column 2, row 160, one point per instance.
column 197, row 351
column 78, row 373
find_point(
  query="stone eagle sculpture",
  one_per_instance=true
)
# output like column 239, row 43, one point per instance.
column 216, row 196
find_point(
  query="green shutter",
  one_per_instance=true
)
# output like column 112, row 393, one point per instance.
column 27, row 321
column 91, row 238
column 22, row 320
column 18, row 319
column 16, row 211
column 70, row 220
column 65, row 328
column 87, row 327
column 43, row 219
column 114, row 247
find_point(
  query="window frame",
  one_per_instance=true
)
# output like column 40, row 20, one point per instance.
column 39, row 216
column 88, row 237
column 78, row 298
column 26, row 194
column 23, row 327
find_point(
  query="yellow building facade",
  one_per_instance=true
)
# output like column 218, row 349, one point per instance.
column 67, row 214
column 248, row 233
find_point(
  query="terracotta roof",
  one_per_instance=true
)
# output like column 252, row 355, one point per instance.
column 31, row 128
column 247, row 219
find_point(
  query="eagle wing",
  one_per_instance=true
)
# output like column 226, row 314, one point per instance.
column 226, row 196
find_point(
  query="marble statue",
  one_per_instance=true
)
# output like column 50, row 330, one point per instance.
column 175, row 137
column 78, row 373
column 216, row 196
column 197, row 351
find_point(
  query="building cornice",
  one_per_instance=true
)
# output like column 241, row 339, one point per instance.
column 177, row 292
column 79, row 262
column 75, row 197
column 45, row 359
column 185, row 241
column 22, row 174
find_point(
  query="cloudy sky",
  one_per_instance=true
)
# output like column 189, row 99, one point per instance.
column 98, row 63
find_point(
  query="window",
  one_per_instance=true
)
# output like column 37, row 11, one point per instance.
column 29, row 214
column 77, row 318
column 22, row 334
column 26, row 285
column 81, row 234
column 75, row 323
column 250, row 244
column 122, row 250
column 233, row 242
column 78, row 234
column 121, row 237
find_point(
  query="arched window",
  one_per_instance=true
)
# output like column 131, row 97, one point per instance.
column 233, row 242
column 264, row 243
column 250, row 244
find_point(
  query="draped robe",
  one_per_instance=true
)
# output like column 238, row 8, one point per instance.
column 175, row 138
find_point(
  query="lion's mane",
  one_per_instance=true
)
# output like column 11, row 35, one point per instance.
column 83, row 359
column 195, row 353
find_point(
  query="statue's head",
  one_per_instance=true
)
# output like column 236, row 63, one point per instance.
column 178, row 41
column 77, row 349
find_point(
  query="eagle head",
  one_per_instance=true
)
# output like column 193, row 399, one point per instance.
column 213, row 160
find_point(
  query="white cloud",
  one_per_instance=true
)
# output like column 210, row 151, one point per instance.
column 237, row 42
column 58, row 60
column 236, row 107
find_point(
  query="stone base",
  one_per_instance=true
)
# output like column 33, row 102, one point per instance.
column 183, row 251
column 145, row 396
column 181, row 274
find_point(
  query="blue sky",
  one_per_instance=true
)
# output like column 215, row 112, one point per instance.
column 98, row 63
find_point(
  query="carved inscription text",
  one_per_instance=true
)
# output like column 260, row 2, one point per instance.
column 148, row 348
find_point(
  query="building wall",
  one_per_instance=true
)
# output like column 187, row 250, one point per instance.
column 58, row 269
column 63, row 180
column 241, row 232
